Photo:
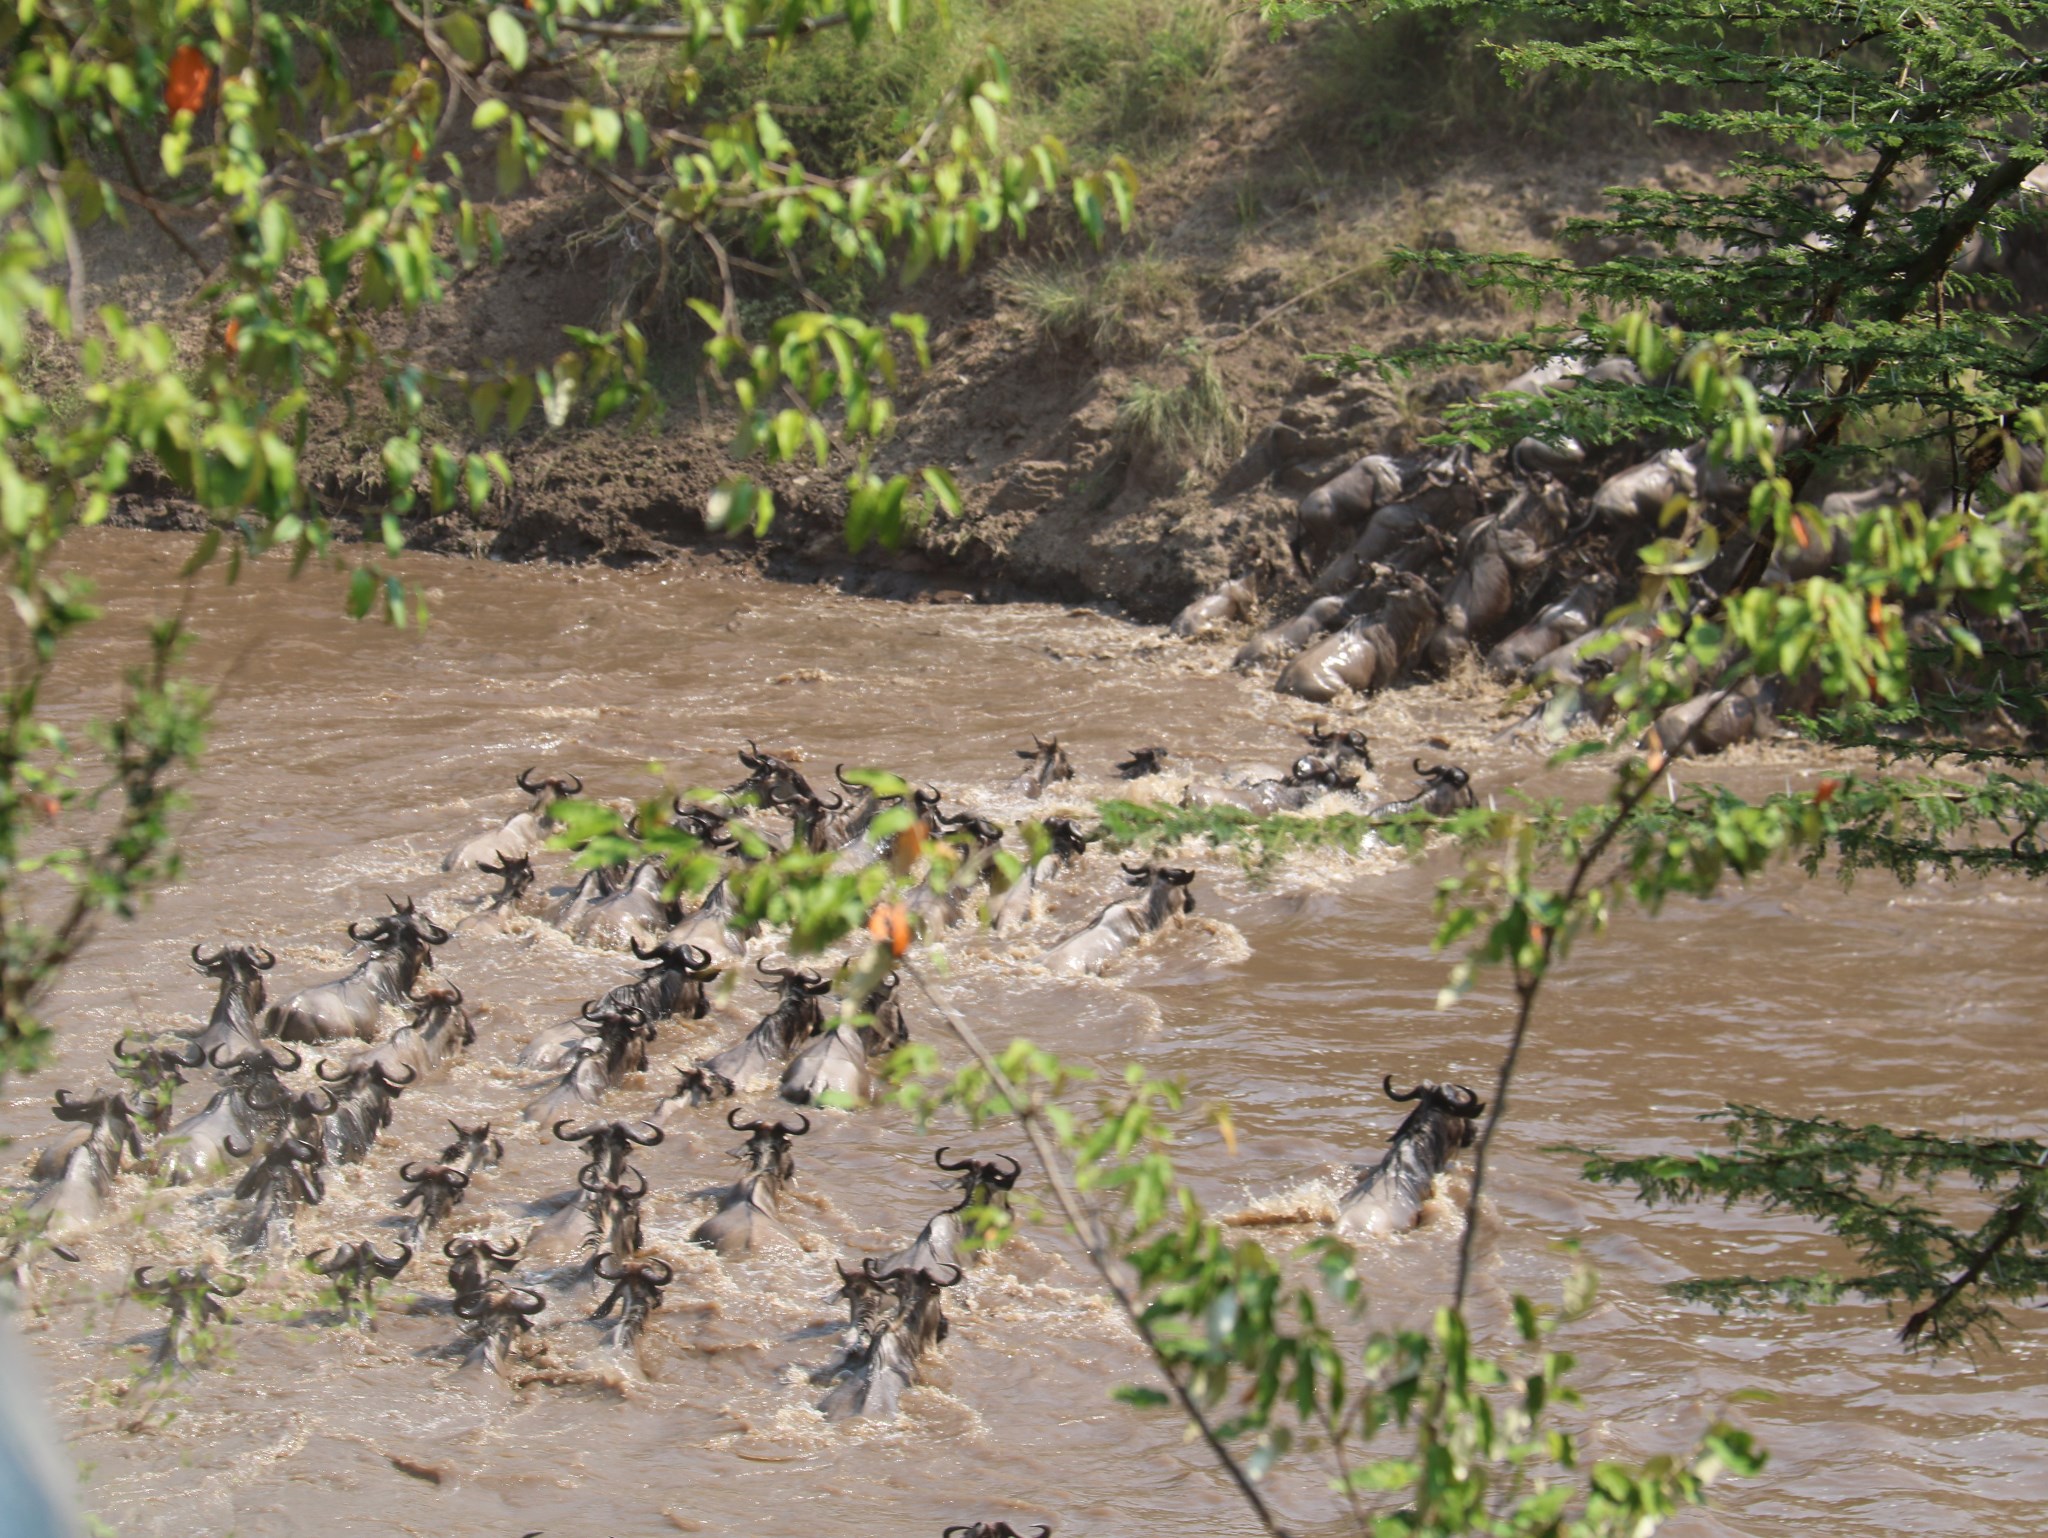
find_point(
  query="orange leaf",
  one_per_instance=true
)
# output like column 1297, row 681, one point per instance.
column 890, row 924
column 232, row 337
column 185, row 90
column 906, row 847
column 1824, row 792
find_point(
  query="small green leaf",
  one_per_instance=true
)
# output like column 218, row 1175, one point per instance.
column 508, row 36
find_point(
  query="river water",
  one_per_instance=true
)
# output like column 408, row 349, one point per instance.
column 347, row 759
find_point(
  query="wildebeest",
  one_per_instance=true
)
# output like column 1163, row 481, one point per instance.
column 1495, row 553
column 993, row 1530
column 946, row 894
column 883, row 1362
column 20, row 1289
column 1010, row 909
column 797, row 1015
column 566, row 906
column 238, row 1008
column 522, row 833
column 711, row 928
column 495, row 1317
column 1142, row 763
column 400, row 945
column 1235, row 601
column 1283, row 640
column 152, row 1076
column 1342, row 505
column 1340, row 745
column 608, row 1144
column 636, row 912
column 696, row 1086
column 474, row 1262
column 436, row 1188
column 832, row 1069
column 672, row 984
column 474, row 1148
column 251, row 1107
column 985, row 1186
column 364, row 1109
column 515, row 880
column 1446, row 788
column 1048, row 765
column 1163, row 898
column 193, row 1296
column 353, row 1270
column 636, row 1292
column 1389, row 1196
column 615, row 1047
column 439, row 1030
column 81, row 1169
column 1371, row 652
column 750, row 1203
column 1553, row 626
column 1641, row 492
column 284, row 1178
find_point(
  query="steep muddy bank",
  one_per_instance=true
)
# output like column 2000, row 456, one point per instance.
column 347, row 760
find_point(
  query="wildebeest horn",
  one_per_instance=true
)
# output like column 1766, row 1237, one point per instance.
column 644, row 955
column 1005, row 1178
column 269, row 958
column 405, row 1173
column 276, row 1047
column 455, row 1249
column 489, row 1248
column 388, row 1267
column 243, row 1152
column 657, row 1271
column 732, row 1120
column 514, row 1293
column 930, row 1277
column 694, row 957
column 1175, row 876
column 1460, row 1101
column 797, row 1131
column 1414, row 1094
column 70, row 1108
column 239, row 1060
column 939, row 1159
column 524, row 782
column 392, row 1081
column 589, row 1179
column 376, row 928
column 204, row 962
column 767, row 971
column 618, row 1187
column 813, row 984
column 612, row 1275
column 568, row 784
column 844, row 1274
column 574, row 1137
column 643, row 1142
column 306, row 1102
column 1142, row 870
column 320, row 1072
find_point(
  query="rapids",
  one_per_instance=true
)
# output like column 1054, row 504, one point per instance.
column 347, row 760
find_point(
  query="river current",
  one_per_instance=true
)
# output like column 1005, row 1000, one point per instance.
column 347, row 759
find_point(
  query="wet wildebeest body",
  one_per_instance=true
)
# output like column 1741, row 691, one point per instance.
column 284, row 1178
column 400, row 945
column 1495, row 554
column 355, row 1269
column 251, row 1108
column 82, row 1169
column 1445, row 789
column 696, row 1086
column 832, row 1069
column 616, row 1047
column 364, row 1109
column 993, row 1530
column 985, row 1184
column 474, row 1263
column 1237, row 600
column 306, row 1116
column 20, row 1288
column 192, row 1294
column 1164, row 897
column 1341, row 506
column 1389, row 1197
column 567, row 905
column 614, row 1211
column 1400, row 532
column 515, row 880
column 153, row 1077
column 579, row 1224
column 1308, row 778
column 711, row 927
column 1010, row 909
column 765, row 1050
column 1369, row 653
column 522, row 833
column 1555, row 625
column 439, row 1030
column 1285, row 639
column 946, row 894
column 1048, row 766
column 750, row 1203
column 671, row 986
column 236, row 1021
column 636, row 912
column 1141, row 763
column 495, row 1317
column 883, row 1361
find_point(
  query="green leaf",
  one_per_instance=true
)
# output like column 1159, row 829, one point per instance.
column 489, row 113
column 459, row 30
column 508, row 36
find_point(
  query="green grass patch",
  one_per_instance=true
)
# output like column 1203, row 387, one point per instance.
column 1193, row 423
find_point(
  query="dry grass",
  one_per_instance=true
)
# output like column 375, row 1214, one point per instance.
column 1120, row 308
column 1194, row 424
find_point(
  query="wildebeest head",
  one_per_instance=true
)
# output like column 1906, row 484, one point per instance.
column 1327, row 773
column 767, row 1150
column 366, row 1075
column 607, row 1144
column 1068, row 841
column 153, row 1073
column 111, row 1116
column 1143, row 761
column 434, row 1005
column 355, row 1267
column 769, row 774
column 690, row 959
column 288, row 1173
column 475, row 1146
column 637, row 1281
column 1167, row 891
column 704, row 824
column 1048, row 763
column 515, row 872
column 498, row 1307
column 473, row 1260
column 1337, row 746
column 245, row 964
column 252, row 1073
column 1446, row 787
column 699, row 1085
column 793, row 984
column 438, row 1189
column 976, row 832
column 405, row 930
column 869, row 1300
column 1451, row 1104
column 983, row 1182
column 547, row 788
column 993, row 1530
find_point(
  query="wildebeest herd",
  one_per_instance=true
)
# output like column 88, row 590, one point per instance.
column 308, row 1085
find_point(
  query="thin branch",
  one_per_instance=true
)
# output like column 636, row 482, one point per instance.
column 2016, row 1219
column 1089, row 1229
column 677, row 32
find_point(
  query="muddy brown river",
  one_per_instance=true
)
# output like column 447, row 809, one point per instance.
column 348, row 759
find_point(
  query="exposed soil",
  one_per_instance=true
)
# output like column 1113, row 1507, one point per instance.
column 1275, row 242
